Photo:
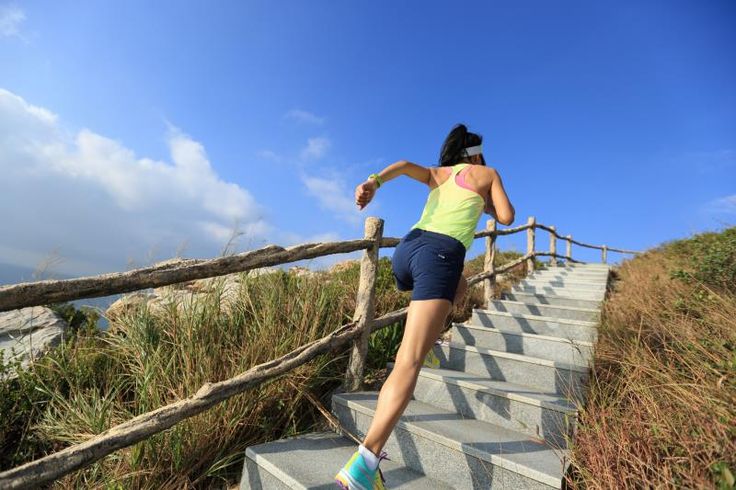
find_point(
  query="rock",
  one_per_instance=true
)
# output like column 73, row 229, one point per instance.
column 126, row 305
column 263, row 270
column 28, row 333
column 341, row 266
column 302, row 271
column 212, row 284
column 181, row 296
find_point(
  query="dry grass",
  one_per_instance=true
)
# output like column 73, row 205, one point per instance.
column 661, row 411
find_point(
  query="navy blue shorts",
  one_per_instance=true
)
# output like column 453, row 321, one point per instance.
column 428, row 263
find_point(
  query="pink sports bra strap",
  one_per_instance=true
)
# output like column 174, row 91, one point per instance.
column 460, row 180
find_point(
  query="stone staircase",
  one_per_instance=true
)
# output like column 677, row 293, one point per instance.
column 497, row 411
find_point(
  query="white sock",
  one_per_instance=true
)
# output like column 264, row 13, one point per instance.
column 370, row 458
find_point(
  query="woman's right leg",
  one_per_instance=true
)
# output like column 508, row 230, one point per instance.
column 425, row 321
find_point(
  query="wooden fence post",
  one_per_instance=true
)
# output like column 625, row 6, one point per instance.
column 604, row 254
column 553, row 246
column 568, row 252
column 365, row 305
column 490, row 283
column 530, row 243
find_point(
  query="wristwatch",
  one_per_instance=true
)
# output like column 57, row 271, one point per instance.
column 378, row 179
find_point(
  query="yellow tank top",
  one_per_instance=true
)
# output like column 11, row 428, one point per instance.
column 453, row 208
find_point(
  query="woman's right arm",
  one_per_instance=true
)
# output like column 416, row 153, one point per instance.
column 403, row 167
column 364, row 192
column 502, row 209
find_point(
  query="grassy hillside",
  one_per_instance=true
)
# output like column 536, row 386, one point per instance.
column 149, row 358
column 662, row 406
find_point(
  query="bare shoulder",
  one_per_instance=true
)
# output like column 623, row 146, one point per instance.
column 485, row 174
column 439, row 171
column 416, row 171
column 437, row 175
column 491, row 172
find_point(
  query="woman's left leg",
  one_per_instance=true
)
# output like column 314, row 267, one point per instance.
column 425, row 320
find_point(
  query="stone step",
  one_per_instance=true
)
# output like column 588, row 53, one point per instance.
column 574, row 270
column 462, row 452
column 565, row 292
column 595, row 275
column 536, row 414
column 552, row 300
column 566, row 312
column 573, row 276
column 567, row 284
column 540, row 325
column 579, row 267
column 588, row 286
column 586, row 264
column 549, row 347
column 574, row 282
column 540, row 374
column 311, row 462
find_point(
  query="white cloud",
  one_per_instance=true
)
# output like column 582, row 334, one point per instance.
column 723, row 205
column 99, row 204
column 316, row 148
column 301, row 116
column 269, row 155
column 11, row 17
column 334, row 196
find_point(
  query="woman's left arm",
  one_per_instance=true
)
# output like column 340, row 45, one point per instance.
column 364, row 192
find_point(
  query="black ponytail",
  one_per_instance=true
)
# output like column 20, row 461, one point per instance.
column 458, row 139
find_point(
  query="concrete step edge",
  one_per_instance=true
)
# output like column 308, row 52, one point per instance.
column 577, row 270
column 550, row 319
column 493, row 458
column 273, row 470
column 569, row 308
column 584, row 265
column 592, row 286
column 601, row 272
column 518, row 357
column 437, row 374
column 554, row 296
column 564, row 283
column 537, row 336
column 279, row 474
column 587, row 270
column 556, row 291
column 568, row 277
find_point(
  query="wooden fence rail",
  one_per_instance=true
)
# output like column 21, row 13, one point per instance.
column 76, row 457
column 172, row 272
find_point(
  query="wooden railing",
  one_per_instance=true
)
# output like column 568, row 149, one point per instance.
column 357, row 332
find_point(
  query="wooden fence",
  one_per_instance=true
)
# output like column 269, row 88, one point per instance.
column 357, row 332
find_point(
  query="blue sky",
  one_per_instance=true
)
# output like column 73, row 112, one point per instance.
column 135, row 129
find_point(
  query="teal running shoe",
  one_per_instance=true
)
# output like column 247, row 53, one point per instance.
column 356, row 475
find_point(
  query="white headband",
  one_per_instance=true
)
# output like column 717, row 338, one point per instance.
column 472, row 150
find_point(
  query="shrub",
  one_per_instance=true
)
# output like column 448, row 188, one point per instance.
column 709, row 258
